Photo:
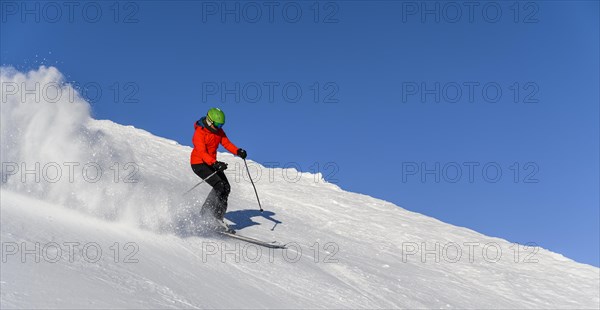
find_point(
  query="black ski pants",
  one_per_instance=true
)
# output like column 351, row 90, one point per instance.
column 215, row 204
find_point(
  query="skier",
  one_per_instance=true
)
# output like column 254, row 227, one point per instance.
column 207, row 137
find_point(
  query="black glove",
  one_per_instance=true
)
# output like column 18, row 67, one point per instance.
column 219, row 166
column 242, row 153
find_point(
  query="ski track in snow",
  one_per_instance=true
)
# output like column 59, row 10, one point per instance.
column 363, row 236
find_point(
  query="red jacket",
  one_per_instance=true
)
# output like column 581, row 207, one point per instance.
column 206, row 144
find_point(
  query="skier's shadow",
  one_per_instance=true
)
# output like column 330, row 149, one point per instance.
column 243, row 218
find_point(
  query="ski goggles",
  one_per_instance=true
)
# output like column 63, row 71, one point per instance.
column 218, row 125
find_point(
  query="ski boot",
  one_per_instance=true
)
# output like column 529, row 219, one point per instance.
column 221, row 226
column 227, row 228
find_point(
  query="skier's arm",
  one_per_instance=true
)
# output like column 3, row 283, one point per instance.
column 229, row 145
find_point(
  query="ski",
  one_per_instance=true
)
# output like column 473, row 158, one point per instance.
column 272, row 244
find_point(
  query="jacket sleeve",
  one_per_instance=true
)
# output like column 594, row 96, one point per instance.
column 228, row 144
column 200, row 147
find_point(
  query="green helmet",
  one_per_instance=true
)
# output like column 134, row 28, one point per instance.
column 216, row 117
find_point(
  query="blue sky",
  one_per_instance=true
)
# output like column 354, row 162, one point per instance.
column 389, row 91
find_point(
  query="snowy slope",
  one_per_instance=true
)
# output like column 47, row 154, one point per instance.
column 369, row 252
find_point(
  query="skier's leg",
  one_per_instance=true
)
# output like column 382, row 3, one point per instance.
column 222, row 190
column 211, row 203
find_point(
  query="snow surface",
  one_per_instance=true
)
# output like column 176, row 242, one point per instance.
column 369, row 252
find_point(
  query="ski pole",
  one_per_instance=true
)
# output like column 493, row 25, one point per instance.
column 257, row 199
column 203, row 180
